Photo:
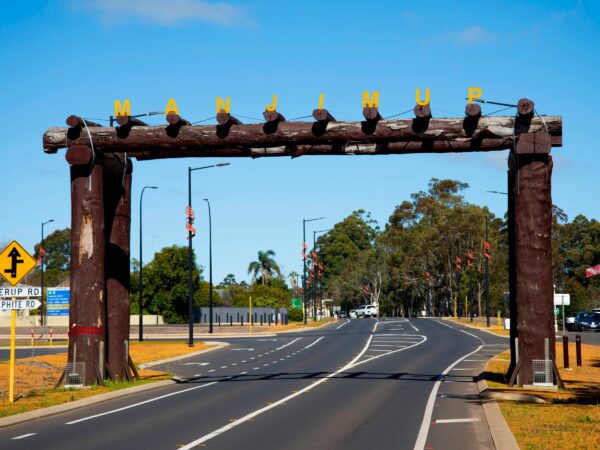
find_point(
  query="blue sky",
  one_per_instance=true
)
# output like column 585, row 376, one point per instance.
column 77, row 57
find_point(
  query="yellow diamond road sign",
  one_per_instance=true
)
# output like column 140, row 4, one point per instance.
column 15, row 263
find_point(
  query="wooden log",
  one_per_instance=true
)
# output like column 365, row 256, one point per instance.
column 130, row 121
column 273, row 116
column 533, row 260
column 371, row 114
column 82, row 155
column 76, row 121
column 393, row 148
column 512, row 286
column 473, row 110
column 525, row 107
column 117, row 219
column 422, row 118
column 224, row 118
column 177, row 120
column 538, row 142
column 150, row 139
column 322, row 115
column 86, row 318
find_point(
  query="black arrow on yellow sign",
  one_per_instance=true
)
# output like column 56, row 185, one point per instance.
column 14, row 255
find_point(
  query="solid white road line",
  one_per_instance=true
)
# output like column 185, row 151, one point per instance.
column 273, row 405
column 424, row 430
column 457, row 420
column 23, row 436
column 310, row 345
column 345, row 323
column 456, row 368
column 83, row 419
column 410, row 323
column 462, row 331
column 289, row 343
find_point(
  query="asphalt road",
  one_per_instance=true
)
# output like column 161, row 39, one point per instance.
column 384, row 384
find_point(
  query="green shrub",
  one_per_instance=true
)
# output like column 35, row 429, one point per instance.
column 295, row 315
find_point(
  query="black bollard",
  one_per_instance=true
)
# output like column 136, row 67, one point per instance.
column 230, row 321
column 578, row 349
column 566, row 351
column 242, row 321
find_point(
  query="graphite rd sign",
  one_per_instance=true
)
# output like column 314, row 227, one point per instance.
column 19, row 304
column 20, row 292
column 15, row 263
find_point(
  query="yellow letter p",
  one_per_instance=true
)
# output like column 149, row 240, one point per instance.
column 474, row 92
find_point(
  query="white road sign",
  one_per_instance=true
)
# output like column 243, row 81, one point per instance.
column 19, row 304
column 20, row 292
column 562, row 299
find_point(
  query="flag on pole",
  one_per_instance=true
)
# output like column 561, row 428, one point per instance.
column 592, row 271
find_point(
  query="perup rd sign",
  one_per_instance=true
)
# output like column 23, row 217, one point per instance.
column 19, row 304
column 20, row 292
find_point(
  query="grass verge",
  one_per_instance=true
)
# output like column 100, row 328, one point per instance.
column 494, row 328
column 571, row 418
column 36, row 377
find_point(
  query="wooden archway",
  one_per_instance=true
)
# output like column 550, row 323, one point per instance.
column 101, row 188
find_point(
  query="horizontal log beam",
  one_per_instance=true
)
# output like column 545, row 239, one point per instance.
column 451, row 134
column 392, row 148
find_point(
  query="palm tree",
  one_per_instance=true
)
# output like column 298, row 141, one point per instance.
column 265, row 266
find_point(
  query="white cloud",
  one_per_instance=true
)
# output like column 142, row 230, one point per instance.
column 163, row 12
column 472, row 35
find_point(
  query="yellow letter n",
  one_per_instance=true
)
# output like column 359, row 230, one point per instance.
column 372, row 101
column 223, row 106
column 124, row 110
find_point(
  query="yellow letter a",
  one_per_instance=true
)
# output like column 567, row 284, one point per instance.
column 418, row 95
column 223, row 106
column 124, row 110
column 171, row 107
column 372, row 102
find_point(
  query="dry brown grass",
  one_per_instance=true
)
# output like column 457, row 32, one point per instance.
column 572, row 418
column 296, row 325
column 36, row 377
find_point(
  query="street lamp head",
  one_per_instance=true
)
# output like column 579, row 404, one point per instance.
column 222, row 164
column 153, row 187
column 205, row 199
column 316, row 218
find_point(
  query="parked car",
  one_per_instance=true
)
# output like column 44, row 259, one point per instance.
column 342, row 315
column 587, row 320
column 360, row 311
column 353, row 314
column 570, row 323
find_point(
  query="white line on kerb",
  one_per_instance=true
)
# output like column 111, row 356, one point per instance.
column 23, row 436
column 457, row 420
column 345, row 323
column 273, row 405
column 140, row 403
column 424, row 430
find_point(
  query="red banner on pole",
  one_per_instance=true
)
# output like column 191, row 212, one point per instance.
column 592, row 271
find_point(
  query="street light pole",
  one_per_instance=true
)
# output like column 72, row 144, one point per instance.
column 304, row 264
column 44, row 318
column 140, row 300
column 210, row 283
column 487, row 281
column 190, row 254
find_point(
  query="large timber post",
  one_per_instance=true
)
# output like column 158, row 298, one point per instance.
column 88, row 293
column 100, row 223
column 117, row 216
column 531, row 199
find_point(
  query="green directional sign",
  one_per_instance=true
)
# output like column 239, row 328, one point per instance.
column 297, row 303
column 556, row 311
